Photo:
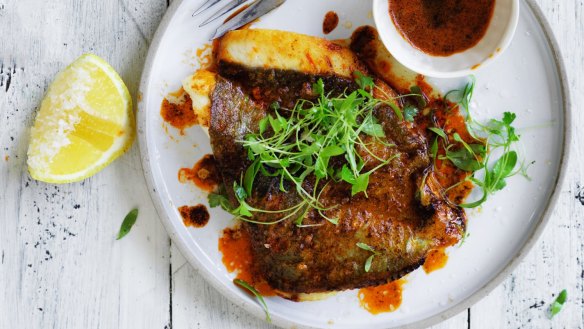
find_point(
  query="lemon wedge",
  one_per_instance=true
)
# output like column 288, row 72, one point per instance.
column 84, row 123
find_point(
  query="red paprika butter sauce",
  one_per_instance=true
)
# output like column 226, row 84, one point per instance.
column 177, row 110
column 330, row 23
column 442, row 27
column 205, row 174
column 435, row 260
column 381, row 299
column 388, row 297
column 196, row 216
column 235, row 245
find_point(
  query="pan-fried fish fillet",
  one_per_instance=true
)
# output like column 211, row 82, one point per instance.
column 402, row 218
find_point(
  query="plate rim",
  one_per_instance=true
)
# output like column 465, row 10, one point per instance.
column 252, row 307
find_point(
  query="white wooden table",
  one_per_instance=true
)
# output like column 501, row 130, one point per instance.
column 60, row 265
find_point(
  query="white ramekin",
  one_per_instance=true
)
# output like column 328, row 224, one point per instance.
column 492, row 45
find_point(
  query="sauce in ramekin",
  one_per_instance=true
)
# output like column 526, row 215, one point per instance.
column 442, row 27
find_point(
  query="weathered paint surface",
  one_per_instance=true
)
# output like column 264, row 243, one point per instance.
column 60, row 266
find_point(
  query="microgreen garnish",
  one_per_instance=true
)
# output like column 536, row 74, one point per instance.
column 410, row 113
column 127, row 224
column 364, row 81
column 439, row 132
column 298, row 144
column 467, row 159
column 463, row 240
column 244, row 211
column 369, row 260
column 462, row 96
column 220, row 199
column 256, row 293
column 496, row 137
column 557, row 305
column 419, row 95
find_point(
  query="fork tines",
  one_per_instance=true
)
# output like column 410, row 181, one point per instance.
column 208, row 4
column 225, row 9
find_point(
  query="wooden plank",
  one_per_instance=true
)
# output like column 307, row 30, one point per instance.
column 60, row 265
column 556, row 262
column 195, row 304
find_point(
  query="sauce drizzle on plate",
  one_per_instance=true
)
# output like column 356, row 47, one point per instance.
column 177, row 110
column 382, row 299
column 235, row 245
column 204, row 174
column 330, row 23
column 196, row 216
column 435, row 260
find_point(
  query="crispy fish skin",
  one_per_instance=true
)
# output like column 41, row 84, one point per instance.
column 396, row 220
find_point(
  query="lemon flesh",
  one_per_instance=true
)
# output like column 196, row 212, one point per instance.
column 84, row 123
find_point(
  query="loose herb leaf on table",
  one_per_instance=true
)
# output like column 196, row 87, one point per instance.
column 558, row 304
column 127, row 224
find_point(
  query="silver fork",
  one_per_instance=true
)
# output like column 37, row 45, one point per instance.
column 229, row 6
column 256, row 9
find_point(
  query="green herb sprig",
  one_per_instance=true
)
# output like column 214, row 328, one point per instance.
column 369, row 260
column 256, row 293
column 244, row 211
column 490, row 139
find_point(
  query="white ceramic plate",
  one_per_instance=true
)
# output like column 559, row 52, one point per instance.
column 528, row 80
